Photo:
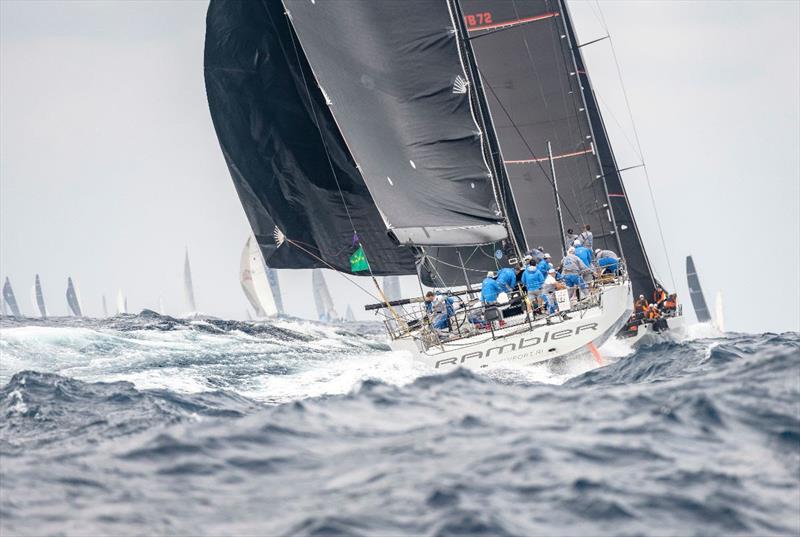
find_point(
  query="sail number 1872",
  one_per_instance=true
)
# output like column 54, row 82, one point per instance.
column 478, row 19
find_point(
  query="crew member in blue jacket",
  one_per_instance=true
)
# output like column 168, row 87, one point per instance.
column 583, row 252
column 507, row 278
column 607, row 260
column 490, row 289
column 533, row 279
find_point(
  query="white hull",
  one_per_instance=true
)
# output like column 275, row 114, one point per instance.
column 647, row 336
column 523, row 345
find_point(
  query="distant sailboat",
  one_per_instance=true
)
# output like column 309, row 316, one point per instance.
column 391, row 288
column 322, row 298
column 188, row 288
column 696, row 292
column 122, row 302
column 10, row 299
column 73, row 301
column 719, row 318
column 349, row 316
column 105, row 307
column 254, row 278
column 38, row 298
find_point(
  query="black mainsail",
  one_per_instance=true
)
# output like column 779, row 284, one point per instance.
column 696, row 292
column 640, row 271
column 294, row 175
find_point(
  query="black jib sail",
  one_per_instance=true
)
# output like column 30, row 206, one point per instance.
column 10, row 299
column 696, row 292
column 291, row 168
column 639, row 269
column 395, row 81
column 72, row 299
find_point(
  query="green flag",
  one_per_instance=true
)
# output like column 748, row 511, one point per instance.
column 358, row 261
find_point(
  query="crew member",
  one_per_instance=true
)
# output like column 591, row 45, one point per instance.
column 549, row 287
column 652, row 313
column 586, row 236
column 533, row 279
column 442, row 309
column 659, row 296
column 607, row 260
column 544, row 265
column 583, row 252
column 490, row 289
column 569, row 238
column 536, row 255
column 507, row 278
column 671, row 303
column 572, row 267
column 640, row 307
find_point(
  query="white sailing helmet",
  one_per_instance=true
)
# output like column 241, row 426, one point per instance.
column 597, row 252
column 547, row 256
column 490, row 274
column 502, row 298
column 577, row 242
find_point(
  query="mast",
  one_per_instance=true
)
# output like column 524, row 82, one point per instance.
column 558, row 199
column 499, row 176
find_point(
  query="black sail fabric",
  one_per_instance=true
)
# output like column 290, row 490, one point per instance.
column 696, row 292
column 529, row 75
column 274, row 130
column 639, row 269
column 396, row 85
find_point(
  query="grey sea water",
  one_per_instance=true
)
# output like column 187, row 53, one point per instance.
column 150, row 425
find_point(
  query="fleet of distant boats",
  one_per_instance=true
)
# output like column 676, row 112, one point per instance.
column 259, row 283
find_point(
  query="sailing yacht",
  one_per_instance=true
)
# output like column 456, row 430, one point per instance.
column 443, row 147
column 37, row 297
column 255, row 282
column 326, row 312
column 73, row 301
column 9, row 299
column 699, row 300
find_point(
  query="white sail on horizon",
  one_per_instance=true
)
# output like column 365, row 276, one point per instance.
column 37, row 297
column 719, row 318
column 73, row 299
column 122, row 303
column 326, row 312
column 188, row 287
column 254, row 280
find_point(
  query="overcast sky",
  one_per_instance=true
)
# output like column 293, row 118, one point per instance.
column 110, row 168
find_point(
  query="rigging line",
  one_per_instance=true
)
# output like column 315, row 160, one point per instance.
column 328, row 265
column 314, row 115
column 522, row 137
column 639, row 145
column 593, row 41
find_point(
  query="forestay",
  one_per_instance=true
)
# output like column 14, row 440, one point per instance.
column 395, row 83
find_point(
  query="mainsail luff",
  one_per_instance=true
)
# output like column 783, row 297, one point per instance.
column 10, row 299
column 410, row 127
column 534, row 96
column 696, row 292
column 72, row 299
column 631, row 246
column 294, row 175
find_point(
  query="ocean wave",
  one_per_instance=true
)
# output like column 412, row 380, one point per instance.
column 683, row 438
